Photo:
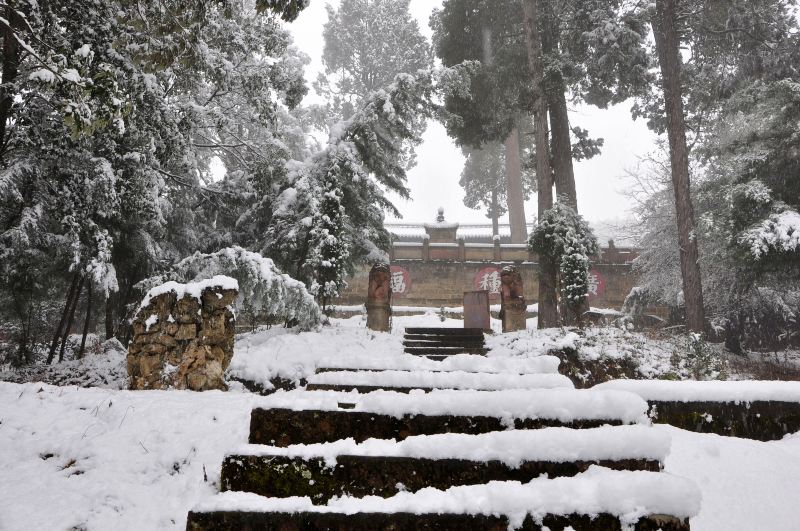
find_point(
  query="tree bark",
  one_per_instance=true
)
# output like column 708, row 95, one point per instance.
column 548, row 303
column 514, row 194
column 667, row 48
column 555, row 90
column 109, row 317
column 70, row 318
column 11, row 55
column 67, row 305
column 495, row 220
column 86, row 320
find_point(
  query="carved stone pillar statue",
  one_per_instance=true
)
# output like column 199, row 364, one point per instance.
column 379, row 298
column 513, row 310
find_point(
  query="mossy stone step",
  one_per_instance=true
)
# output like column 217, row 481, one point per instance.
column 307, row 521
column 445, row 331
column 444, row 343
column 283, row 427
column 282, row 476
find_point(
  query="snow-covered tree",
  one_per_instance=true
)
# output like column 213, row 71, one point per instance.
column 563, row 237
column 367, row 43
column 265, row 293
column 484, row 181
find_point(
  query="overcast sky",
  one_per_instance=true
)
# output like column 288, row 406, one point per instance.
column 434, row 181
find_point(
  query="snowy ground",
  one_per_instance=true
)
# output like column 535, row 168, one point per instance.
column 92, row 458
column 99, row 459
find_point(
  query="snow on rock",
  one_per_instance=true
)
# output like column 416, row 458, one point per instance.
column 565, row 405
column 456, row 362
column 511, row 447
column 627, row 495
column 711, row 391
column 190, row 289
column 442, row 380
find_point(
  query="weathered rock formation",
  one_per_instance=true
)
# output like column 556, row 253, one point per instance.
column 183, row 336
column 379, row 298
column 513, row 309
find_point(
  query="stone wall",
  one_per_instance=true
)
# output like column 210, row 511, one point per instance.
column 183, row 336
column 437, row 283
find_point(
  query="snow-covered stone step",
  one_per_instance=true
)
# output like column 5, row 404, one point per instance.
column 762, row 410
column 445, row 350
column 304, row 417
column 384, row 468
column 458, row 362
column 598, row 499
column 404, row 381
column 444, row 331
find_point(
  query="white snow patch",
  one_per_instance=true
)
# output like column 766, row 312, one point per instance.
column 710, row 391
column 565, row 405
column 512, row 447
column 442, row 380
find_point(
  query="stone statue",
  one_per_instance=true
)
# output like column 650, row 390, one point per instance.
column 513, row 310
column 379, row 298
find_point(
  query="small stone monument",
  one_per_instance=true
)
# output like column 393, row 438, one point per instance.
column 379, row 298
column 513, row 310
column 183, row 336
column 476, row 310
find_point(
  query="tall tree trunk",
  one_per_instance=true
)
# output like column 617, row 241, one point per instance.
column 555, row 89
column 70, row 318
column 11, row 54
column 87, row 319
column 667, row 47
column 109, row 317
column 67, row 305
column 548, row 304
column 495, row 217
column 514, row 194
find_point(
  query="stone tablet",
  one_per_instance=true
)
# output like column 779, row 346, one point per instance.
column 476, row 310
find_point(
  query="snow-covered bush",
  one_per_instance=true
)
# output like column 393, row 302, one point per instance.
column 564, row 237
column 265, row 294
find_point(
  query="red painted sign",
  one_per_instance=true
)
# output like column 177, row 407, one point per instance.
column 595, row 285
column 488, row 279
column 400, row 281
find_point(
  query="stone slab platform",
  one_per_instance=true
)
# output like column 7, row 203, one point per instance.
column 283, row 427
column 253, row 521
column 358, row 475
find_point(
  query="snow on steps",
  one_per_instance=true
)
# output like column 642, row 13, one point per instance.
column 305, row 417
column 439, row 343
column 761, row 410
column 384, row 468
column 405, row 381
column 596, row 499
column 457, row 362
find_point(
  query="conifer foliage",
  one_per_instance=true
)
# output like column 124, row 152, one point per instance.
column 565, row 238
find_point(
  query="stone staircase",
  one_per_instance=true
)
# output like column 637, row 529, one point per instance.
column 526, row 451
column 438, row 343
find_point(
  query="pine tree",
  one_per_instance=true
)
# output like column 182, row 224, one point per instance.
column 367, row 43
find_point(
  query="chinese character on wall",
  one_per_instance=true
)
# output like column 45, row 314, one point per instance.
column 400, row 281
column 488, row 279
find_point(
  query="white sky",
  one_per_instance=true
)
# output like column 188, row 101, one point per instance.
column 434, row 181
